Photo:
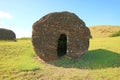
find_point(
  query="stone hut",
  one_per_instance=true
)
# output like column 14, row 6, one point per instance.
column 58, row 34
column 6, row 34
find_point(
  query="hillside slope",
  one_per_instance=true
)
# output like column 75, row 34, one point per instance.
column 102, row 62
column 103, row 30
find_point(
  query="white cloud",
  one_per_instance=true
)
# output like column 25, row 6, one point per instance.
column 5, row 15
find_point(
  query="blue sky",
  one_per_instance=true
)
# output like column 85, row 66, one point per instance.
column 19, row 15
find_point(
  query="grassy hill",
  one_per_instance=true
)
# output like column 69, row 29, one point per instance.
column 103, row 30
column 102, row 62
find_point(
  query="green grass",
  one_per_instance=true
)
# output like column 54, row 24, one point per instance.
column 93, row 59
column 17, row 56
column 24, row 38
column 115, row 34
column 102, row 62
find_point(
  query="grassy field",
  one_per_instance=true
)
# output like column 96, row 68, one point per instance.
column 102, row 62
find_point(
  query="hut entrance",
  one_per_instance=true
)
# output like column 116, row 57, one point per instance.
column 62, row 45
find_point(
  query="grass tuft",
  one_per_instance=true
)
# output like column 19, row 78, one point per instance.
column 115, row 34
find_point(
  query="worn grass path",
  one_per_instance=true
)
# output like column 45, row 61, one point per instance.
column 102, row 62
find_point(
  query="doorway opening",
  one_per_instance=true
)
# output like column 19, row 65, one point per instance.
column 62, row 45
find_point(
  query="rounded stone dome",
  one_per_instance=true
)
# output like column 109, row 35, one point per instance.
column 6, row 34
column 60, row 33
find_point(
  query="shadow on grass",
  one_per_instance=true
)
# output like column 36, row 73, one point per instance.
column 94, row 59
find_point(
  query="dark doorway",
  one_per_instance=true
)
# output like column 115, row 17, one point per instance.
column 62, row 45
